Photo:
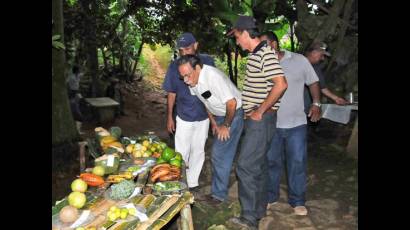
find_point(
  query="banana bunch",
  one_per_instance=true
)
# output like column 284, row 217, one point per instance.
column 111, row 142
column 119, row 177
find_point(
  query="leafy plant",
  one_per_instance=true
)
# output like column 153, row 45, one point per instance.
column 56, row 43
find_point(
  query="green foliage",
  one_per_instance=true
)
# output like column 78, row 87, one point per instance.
column 223, row 66
column 163, row 54
column 57, row 44
column 71, row 2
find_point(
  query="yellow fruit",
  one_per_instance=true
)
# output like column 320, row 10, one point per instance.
column 112, row 217
column 115, row 144
column 124, row 213
column 132, row 211
column 107, row 140
column 129, row 148
column 144, row 148
column 145, row 143
column 117, row 212
column 113, row 208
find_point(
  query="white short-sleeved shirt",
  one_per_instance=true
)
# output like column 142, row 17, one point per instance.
column 298, row 72
column 221, row 88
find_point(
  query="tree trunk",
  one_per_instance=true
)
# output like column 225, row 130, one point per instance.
column 229, row 60
column 89, row 7
column 136, row 60
column 342, row 33
column 236, row 65
column 63, row 125
column 292, row 33
column 104, row 58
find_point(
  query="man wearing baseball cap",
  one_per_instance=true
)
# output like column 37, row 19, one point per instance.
column 263, row 86
column 192, row 123
column 316, row 53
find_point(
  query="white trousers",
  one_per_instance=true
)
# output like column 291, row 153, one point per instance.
column 190, row 138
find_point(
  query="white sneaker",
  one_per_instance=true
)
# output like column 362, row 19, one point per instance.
column 300, row 210
column 270, row 205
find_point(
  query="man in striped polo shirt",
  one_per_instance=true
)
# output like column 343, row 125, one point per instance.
column 263, row 86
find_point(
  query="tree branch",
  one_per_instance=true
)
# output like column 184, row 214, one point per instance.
column 315, row 2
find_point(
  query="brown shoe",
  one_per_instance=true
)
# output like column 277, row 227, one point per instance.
column 209, row 199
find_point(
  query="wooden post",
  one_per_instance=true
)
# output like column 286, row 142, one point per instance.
column 82, row 145
column 186, row 218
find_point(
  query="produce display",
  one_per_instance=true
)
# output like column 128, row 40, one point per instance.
column 124, row 166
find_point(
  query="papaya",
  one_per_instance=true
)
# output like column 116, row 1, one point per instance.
column 92, row 179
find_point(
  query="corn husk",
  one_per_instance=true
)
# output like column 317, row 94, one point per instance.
column 146, row 201
column 158, row 212
column 155, row 205
column 184, row 200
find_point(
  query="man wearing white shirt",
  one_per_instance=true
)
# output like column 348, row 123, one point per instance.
column 224, row 104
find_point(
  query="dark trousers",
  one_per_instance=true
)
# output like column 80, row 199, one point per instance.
column 252, row 168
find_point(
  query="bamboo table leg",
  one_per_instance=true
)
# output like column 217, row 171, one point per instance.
column 186, row 218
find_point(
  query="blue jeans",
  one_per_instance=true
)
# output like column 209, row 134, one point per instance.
column 289, row 144
column 223, row 153
column 252, row 167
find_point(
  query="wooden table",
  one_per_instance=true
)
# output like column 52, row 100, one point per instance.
column 104, row 107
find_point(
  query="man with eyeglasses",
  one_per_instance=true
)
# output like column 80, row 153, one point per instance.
column 223, row 102
column 192, row 123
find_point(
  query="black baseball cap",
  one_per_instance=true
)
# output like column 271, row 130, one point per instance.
column 242, row 23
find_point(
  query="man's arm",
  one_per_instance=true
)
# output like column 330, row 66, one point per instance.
column 214, row 125
column 335, row 98
column 314, row 111
column 223, row 130
column 170, row 108
column 279, row 87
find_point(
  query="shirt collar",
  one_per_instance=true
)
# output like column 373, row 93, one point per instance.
column 286, row 54
column 259, row 46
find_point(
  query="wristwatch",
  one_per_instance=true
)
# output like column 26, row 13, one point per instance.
column 227, row 125
column 317, row 104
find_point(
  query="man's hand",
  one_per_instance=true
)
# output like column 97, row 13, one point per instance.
column 340, row 101
column 314, row 113
column 255, row 115
column 223, row 133
column 170, row 125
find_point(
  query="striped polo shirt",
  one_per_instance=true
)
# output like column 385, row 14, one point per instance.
column 262, row 66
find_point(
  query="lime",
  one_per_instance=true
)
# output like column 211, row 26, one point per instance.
column 175, row 162
column 162, row 145
column 160, row 161
column 168, row 154
column 178, row 156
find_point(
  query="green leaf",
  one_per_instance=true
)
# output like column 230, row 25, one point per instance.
column 58, row 45
column 56, row 37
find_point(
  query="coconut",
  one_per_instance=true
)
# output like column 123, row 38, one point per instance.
column 68, row 214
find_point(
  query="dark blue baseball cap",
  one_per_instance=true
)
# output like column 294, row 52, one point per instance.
column 185, row 40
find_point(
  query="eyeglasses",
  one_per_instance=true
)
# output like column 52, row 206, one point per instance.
column 188, row 75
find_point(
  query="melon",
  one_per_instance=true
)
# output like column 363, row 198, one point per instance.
column 68, row 214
